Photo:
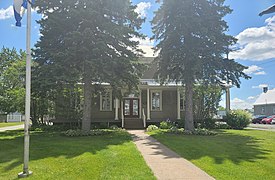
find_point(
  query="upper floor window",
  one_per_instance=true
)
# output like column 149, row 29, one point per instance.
column 106, row 101
column 156, row 100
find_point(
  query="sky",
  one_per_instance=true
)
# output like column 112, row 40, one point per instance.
column 255, row 34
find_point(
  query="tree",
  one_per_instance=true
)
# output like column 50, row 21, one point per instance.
column 89, row 41
column 12, row 80
column 192, row 46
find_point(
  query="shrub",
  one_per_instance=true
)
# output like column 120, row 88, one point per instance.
column 151, row 128
column 165, row 125
column 114, row 127
column 208, row 123
column 200, row 132
column 238, row 119
column 79, row 132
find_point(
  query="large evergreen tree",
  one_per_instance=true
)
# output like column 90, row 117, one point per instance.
column 192, row 46
column 89, row 41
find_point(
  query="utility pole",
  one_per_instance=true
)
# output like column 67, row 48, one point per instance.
column 26, row 171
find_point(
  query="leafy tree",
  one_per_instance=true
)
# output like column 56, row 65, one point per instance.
column 89, row 41
column 206, row 101
column 12, row 80
column 192, row 45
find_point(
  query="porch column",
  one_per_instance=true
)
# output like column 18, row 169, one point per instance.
column 140, row 105
column 178, row 104
column 116, row 108
column 122, row 114
column 148, row 104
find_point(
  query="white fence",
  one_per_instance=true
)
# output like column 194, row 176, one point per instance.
column 14, row 118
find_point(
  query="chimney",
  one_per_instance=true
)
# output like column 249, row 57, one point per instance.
column 265, row 89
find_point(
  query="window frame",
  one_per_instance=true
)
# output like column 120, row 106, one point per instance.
column 263, row 110
column 111, row 101
column 160, row 100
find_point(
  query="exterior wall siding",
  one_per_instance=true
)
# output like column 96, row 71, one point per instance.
column 269, row 109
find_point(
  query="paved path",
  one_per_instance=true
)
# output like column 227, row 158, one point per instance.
column 264, row 127
column 11, row 128
column 165, row 163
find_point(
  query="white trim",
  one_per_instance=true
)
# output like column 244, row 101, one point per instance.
column 148, row 104
column 111, row 101
column 160, row 100
column 116, row 108
column 178, row 104
column 140, row 108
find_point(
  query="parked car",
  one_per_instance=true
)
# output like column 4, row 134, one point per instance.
column 258, row 119
column 273, row 121
column 268, row 120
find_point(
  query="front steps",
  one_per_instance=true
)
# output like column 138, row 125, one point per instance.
column 133, row 123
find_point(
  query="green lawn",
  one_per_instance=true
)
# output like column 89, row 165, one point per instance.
column 53, row 156
column 232, row 154
column 10, row 124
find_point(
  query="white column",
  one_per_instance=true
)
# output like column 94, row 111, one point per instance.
column 178, row 104
column 140, row 108
column 122, row 114
column 116, row 109
column 148, row 104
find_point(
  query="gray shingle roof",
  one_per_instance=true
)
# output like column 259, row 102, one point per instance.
column 266, row 98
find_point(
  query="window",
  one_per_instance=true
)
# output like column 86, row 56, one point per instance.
column 106, row 101
column 156, row 100
column 182, row 103
column 274, row 110
column 263, row 110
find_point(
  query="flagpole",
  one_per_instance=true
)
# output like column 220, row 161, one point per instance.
column 26, row 171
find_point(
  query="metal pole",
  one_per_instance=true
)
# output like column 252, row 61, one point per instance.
column 26, row 171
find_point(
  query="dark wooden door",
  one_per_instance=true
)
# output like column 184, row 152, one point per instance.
column 131, row 108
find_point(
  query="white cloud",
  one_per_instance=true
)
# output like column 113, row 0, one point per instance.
column 260, row 86
column 237, row 103
column 260, row 73
column 6, row 13
column 256, row 44
column 256, row 70
column 142, row 7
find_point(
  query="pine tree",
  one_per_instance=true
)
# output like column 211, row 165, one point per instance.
column 192, row 46
column 89, row 41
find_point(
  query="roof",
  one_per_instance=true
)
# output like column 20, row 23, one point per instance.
column 266, row 98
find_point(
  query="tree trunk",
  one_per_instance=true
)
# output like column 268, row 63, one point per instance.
column 86, row 121
column 189, row 119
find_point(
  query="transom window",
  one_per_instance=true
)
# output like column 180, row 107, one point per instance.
column 156, row 100
column 106, row 101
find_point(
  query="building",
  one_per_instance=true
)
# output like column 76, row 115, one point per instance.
column 265, row 104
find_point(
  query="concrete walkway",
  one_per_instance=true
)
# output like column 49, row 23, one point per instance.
column 165, row 163
column 12, row 128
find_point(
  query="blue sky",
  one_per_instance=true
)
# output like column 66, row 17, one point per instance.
column 256, row 41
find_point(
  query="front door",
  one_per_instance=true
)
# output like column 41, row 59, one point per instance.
column 131, row 108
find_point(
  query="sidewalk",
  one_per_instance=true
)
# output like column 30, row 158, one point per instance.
column 165, row 163
column 12, row 128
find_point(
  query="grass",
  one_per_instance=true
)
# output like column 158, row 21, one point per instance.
column 52, row 156
column 232, row 154
column 10, row 124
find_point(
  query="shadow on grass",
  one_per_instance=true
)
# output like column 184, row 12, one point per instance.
column 44, row 145
column 236, row 148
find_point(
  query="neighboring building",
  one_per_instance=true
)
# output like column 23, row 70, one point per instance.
column 265, row 104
